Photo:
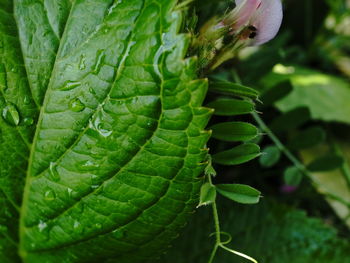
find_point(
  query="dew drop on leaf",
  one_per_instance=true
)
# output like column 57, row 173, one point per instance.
column 99, row 61
column 70, row 192
column 104, row 129
column 76, row 224
column 26, row 100
column 98, row 225
column 11, row 115
column 49, row 195
column 78, row 228
column 69, row 85
column 28, row 121
column 53, row 172
column 92, row 91
column 76, row 105
column 42, row 226
column 82, row 65
column 118, row 233
column 88, row 165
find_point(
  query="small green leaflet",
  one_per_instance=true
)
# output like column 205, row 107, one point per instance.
column 233, row 89
column 237, row 155
column 231, row 107
column 234, row 131
column 207, row 194
column 292, row 176
column 270, row 156
column 239, row 193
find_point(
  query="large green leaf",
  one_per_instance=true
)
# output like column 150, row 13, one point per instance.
column 326, row 96
column 269, row 232
column 111, row 173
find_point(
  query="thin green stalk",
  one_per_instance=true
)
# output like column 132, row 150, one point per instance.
column 217, row 228
column 293, row 159
column 218, row 242
column 279, row 144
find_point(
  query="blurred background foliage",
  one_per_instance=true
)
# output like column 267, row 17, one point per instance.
column 304, row 133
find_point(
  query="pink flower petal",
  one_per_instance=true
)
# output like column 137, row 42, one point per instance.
column 267, row 19
column 243, row 12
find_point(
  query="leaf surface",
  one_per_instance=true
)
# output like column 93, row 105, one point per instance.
column 111, row 172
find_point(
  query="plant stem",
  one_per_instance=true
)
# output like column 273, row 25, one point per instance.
column 218, row 242
column 279, row 144
column 217, row 227
column 294, row 160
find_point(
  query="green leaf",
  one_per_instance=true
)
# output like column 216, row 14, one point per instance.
column 207, row 194
column 290, row 120
column 239, row 193
column 234, row 131
column 233, row 89
column 292, row 176
column 231, row 107
column 237, row 155
column 326, row 96
column 101, row 129
column 327, row 162
column 307, row 138
column 270, row 156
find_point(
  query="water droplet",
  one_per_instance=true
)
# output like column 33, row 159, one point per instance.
column 76, row 105
column 92, row 91
column 82, row 65
column 88, row 165
column 94, row 186
column 119, row 233
column 42, row 226
column 28, row 121
column 69, row 85
column 98, row 225
column 94, row 180
column 78, row 228
column 76, row 224
column 105, row 129
column 49, row 195
column 10, row 114
column 53, row 172
column 70, row 192
column 26, row 100
column 99, row 61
